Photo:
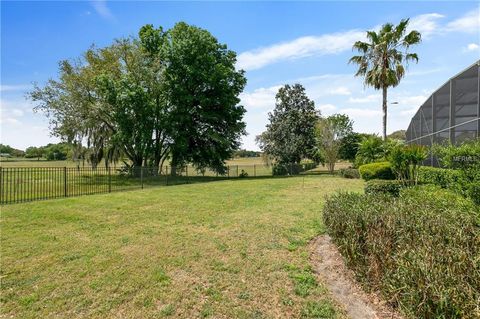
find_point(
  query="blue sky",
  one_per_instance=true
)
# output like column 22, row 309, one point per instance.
column 277, row 43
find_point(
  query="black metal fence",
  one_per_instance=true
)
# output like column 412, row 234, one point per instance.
column 23, row 184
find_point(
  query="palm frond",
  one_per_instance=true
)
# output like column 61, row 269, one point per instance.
column 361, row 47
column 372, row 36
column 411, row 57
column 414, row 37
column 401, row 28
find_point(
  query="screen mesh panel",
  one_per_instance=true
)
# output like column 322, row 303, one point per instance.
column 450, row 114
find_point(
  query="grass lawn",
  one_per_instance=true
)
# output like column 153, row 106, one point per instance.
column 223, row 249
column 33, row 162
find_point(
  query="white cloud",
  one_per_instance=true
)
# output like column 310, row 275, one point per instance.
column 365, row 99
column 407, row 100
column 102, row 9
column 426, row 24
column 299, row 48
column 341, row 90
column 9, row 120
column 327, row 108
column 470, row 22
column 261, row 98
column 361, row 113
column 17, row 112
column 472, row 47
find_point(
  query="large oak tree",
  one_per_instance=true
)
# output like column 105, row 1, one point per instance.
column 163, row 94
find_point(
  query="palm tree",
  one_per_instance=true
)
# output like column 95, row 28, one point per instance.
column 383, row 59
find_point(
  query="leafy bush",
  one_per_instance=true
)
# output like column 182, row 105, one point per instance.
column 379, row 186
column 419, row 250
column 465, row 157
column 474, row 192
column 243, row 174
column 380, row 170
column 445, row 178
column 349, row 173
column 370, row 150
column 291, row 169
column 405, row 160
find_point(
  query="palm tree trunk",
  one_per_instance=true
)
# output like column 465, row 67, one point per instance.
column 384, row 109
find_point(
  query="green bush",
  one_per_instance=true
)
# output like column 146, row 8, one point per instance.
column 474, row 192
column 405, row 161
column 464, row 157
column 379, row 186
column 349, row 173
column 243, row 174
column 420, row 250
column 291, row 169
column 380, row 170
column 445, row 178
column 370, row 150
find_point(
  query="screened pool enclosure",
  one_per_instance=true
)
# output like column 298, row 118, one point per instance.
column 450, row 114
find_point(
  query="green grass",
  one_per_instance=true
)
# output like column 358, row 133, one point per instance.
column 224, row 249
column 34, row 162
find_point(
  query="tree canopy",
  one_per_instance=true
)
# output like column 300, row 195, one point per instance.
column 290, row 135
column 383, row 58
column 162, row 94
column 330, row 132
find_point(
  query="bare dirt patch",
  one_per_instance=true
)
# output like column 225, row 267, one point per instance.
column 331, row 270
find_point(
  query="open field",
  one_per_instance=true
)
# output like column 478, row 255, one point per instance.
column 224, row 249
column 33, row 162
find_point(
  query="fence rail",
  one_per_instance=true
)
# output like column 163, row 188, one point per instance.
column 23, row 184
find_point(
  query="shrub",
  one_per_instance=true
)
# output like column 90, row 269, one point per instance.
column 349, row 173
column 405, row 160
column 284, row 169
column 381, row 170
column 370, row 150
column 419, row 250
column 379, row 186
column 452, row 179
column 243, row 174
column 445, row 178
column 474, row 192
column 464, row 157
column 291, row 169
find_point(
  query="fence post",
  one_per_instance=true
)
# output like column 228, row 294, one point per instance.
column 141, row 175
column 65, row 188
column 186, row 173
column 254, row 171
column 237, row 170
column 109, row 180
column 228, row 171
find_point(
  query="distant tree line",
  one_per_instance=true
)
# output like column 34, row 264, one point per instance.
column 246, row 153
column 162, row 95
column 7, row 150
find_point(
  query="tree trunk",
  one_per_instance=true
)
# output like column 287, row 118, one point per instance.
column 384, row 109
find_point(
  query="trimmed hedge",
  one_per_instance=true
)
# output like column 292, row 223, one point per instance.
column 349, row 173
column 419, row 250
column 380, row 170
column 451, row 179
column 445, row 178
column 379, row 186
